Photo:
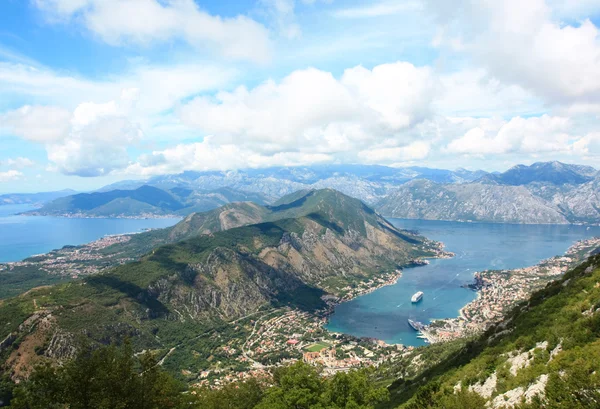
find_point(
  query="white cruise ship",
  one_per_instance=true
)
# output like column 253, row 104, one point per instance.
column 417, row 296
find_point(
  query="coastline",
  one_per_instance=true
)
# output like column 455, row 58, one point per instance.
column 492, row 287
column 113, row 216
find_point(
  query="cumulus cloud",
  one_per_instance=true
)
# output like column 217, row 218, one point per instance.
column 522, row 43
column 10, row 175
column 473, row 92
column 160, row 21
column 91, row 141
column 311, row 110
column 519, row 135
column 413, row 151
column 208, row 155
column 588, row 145
column 43, row 124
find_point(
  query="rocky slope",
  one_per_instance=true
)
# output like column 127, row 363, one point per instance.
column 366, row 182
column 545, row 354
column 180, row 290
column 543, row 193
column 421, row 199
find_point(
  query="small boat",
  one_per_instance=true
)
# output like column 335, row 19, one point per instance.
column 417, row 297
column 416, row 325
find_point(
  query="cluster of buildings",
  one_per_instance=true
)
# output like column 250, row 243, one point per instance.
column 72, row 261
column 286, row 336
column 365, row 287
column 501, row 290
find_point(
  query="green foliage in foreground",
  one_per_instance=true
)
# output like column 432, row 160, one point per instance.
column 108, row 377
column 113, row 378
column 299, row 386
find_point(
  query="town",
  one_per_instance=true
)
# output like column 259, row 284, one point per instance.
column 282, row 336
column 73, row 261
column 501, row 290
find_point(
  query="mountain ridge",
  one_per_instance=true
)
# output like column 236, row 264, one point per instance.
column 184, row 288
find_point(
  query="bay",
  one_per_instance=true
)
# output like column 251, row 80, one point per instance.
column 25, row 236
column 383, row 314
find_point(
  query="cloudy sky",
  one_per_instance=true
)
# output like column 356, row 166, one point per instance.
column 95, row 91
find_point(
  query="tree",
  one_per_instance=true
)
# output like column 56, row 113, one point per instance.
column 102, row 378
column 353, row 390
column 240, row 395
column 298, row 386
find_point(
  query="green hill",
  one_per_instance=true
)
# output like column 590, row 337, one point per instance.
column 145, row 201
column 326, row 204
column 114, row 202
column 181, row 290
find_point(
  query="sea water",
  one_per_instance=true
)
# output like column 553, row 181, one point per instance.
column 384, row 313
column 24, row 236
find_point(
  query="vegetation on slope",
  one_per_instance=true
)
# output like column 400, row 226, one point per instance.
column 320, row 205
column 111, row 377
column 545, row 354
column 181, row 298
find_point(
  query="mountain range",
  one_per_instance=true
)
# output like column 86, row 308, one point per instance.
column 34, row 199
column 144, row 201
column 543, row 193
column 246, row 259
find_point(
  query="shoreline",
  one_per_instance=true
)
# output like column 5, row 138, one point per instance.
column 491, row 286
column 115, row 216
column 332, row 303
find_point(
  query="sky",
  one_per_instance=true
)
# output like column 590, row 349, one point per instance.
column 97, row 91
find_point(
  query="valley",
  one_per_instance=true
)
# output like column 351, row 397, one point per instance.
column 233, row 293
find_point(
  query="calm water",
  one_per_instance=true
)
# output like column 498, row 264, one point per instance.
column 24, row 236
column 383, row 314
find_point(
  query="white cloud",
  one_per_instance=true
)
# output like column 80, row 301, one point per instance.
column 519, row 135
column 384, row 8
column 472, row 92
column 36, row 123
column 521, row 43
column 414, row 151
column 19, row 162
column 91, row 141
column 282, row 14
column 311, row 110
column 158, row 87
column 96, row 149
column 144, row 22
column 588, row 146
column 10, row 175
column 207, row 155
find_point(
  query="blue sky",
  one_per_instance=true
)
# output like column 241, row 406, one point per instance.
column 96, row 91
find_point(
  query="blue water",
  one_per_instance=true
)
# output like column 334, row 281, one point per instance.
column 383, row 314
column 24, row 236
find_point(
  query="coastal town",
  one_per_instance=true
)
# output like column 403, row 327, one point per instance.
column 283, row 336
column 73, row 261
column 500, row 290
